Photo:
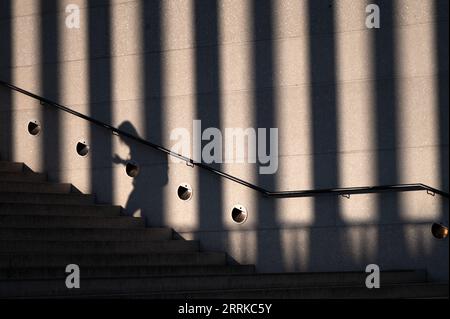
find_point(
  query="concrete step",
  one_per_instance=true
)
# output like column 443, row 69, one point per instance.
column 85, row 260
column 97, row 247
column 395, row 291
column 201, row 283
column 59, row 210
column 123, row 272
column 36, row 221
column 11, row 167
column 34, row 187
column 87, row 234
column 38, row 198
column 23, row 177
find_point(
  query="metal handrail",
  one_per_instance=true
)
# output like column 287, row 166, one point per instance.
column 347, row 191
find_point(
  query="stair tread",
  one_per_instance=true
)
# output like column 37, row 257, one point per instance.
column 284, row 275
column 36, row 218
column 163, row 287
column 33, row 182
column 47, row 198
column 103, row 257
column 59, row 205
column 70, row 221
column 41, row 273
column 30, row 242
column 35, row 209
column 27, row 255
column 13, row 216
column 11, row 166
column 93, row 229
column 39, row 194
column 25, row 187
column 325, row 292
column 92, row 233
column 23, row 176
column 99, row 247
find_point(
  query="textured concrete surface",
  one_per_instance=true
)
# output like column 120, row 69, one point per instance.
column 354, row 107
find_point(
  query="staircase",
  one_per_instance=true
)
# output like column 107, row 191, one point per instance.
column 46, row 226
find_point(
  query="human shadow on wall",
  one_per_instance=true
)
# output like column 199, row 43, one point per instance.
column 145, row 199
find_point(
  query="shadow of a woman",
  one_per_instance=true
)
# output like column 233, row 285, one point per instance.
column 146, row 198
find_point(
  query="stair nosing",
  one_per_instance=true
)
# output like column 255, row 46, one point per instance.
column 228, row 290
column 61, row 205
column 71, row 216
column 35, row 182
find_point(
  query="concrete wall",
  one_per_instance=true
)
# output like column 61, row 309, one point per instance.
column 354, row 107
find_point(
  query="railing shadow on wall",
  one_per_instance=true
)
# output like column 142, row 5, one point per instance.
column 346, row 191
